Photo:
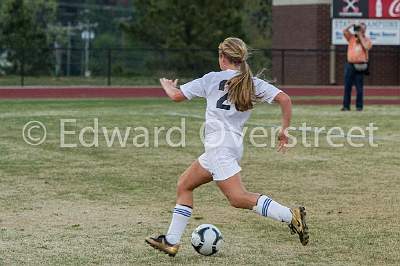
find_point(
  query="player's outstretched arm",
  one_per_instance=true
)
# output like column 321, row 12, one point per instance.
column 286, row 106
column 171, row 90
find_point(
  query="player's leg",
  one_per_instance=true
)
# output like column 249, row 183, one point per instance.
column 193, row 177
column 239, row 197
column 237, row 194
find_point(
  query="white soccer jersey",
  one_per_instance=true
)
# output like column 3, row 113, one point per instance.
column 223, row 150
column 220, row 113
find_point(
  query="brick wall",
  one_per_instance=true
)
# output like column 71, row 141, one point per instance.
column 384, row 65
column 309, row 27
column 301, row 27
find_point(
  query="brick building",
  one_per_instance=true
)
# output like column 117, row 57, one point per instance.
column 303, row 54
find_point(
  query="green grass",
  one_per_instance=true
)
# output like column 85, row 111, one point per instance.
column 96, row 205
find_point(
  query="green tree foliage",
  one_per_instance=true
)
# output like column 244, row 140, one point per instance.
column 191, row 24
column 258, row 25
column 24, row 35
column 258, row 22
column 186, row 24
column 106, row 14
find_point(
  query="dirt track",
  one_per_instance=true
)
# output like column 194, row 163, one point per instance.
column 387, row 95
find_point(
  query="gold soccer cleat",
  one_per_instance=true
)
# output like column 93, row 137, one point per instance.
column 298, row 224
column 162, row 244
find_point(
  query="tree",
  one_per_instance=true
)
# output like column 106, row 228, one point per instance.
column 23, row 33
column 258, row 22
column 258, row 25
column 186, row 24
column 191, row 24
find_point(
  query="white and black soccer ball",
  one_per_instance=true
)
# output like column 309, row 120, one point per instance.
column 207, row 239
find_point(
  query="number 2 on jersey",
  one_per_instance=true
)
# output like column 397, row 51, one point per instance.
column 220, row 102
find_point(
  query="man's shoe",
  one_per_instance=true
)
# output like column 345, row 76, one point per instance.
column 298, row 224
column 359, row 109
column 345, row 109
column 162, row 244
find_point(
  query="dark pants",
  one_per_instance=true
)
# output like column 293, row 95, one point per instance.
column 351, row 76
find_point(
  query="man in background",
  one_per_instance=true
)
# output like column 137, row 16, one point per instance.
column 356, row 65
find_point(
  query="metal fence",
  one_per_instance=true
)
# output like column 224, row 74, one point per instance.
column 119, row 67
column 326, row 66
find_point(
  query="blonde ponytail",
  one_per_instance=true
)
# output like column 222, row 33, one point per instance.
column 241, row 90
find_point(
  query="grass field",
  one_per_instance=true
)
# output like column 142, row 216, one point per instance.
column 96, row 205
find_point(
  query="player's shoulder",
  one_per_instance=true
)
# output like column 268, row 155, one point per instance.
column 209, row 75
column 260, row 83
column 221, row 73
column 262, row 86
column 218, row 75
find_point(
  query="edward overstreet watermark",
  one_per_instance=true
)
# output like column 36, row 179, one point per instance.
column 94, row 135
column 138, row 136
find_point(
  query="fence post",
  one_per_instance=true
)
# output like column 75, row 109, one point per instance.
column 283, row 66
column 109, row 67
column 22, row 70
column 332, row 65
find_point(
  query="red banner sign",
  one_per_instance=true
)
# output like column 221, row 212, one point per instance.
column 384, row 9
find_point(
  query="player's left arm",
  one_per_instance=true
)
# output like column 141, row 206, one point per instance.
column 170, row 88
column 286, row 107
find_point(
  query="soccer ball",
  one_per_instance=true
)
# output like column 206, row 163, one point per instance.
column 207, row 239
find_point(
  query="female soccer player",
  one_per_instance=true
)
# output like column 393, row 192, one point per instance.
column 230, row 94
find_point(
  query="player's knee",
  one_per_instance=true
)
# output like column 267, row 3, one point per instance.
column 182, row 188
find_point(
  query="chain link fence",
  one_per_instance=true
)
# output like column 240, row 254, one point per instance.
column 139, row 67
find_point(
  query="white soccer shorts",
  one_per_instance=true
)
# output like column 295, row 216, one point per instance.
column 222, row 161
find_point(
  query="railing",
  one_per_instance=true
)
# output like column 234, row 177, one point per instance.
column 119, row 67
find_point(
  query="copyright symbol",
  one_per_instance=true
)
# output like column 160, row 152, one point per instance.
column 34, row 133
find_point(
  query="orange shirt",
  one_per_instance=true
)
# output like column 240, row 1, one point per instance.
column 356, row 53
